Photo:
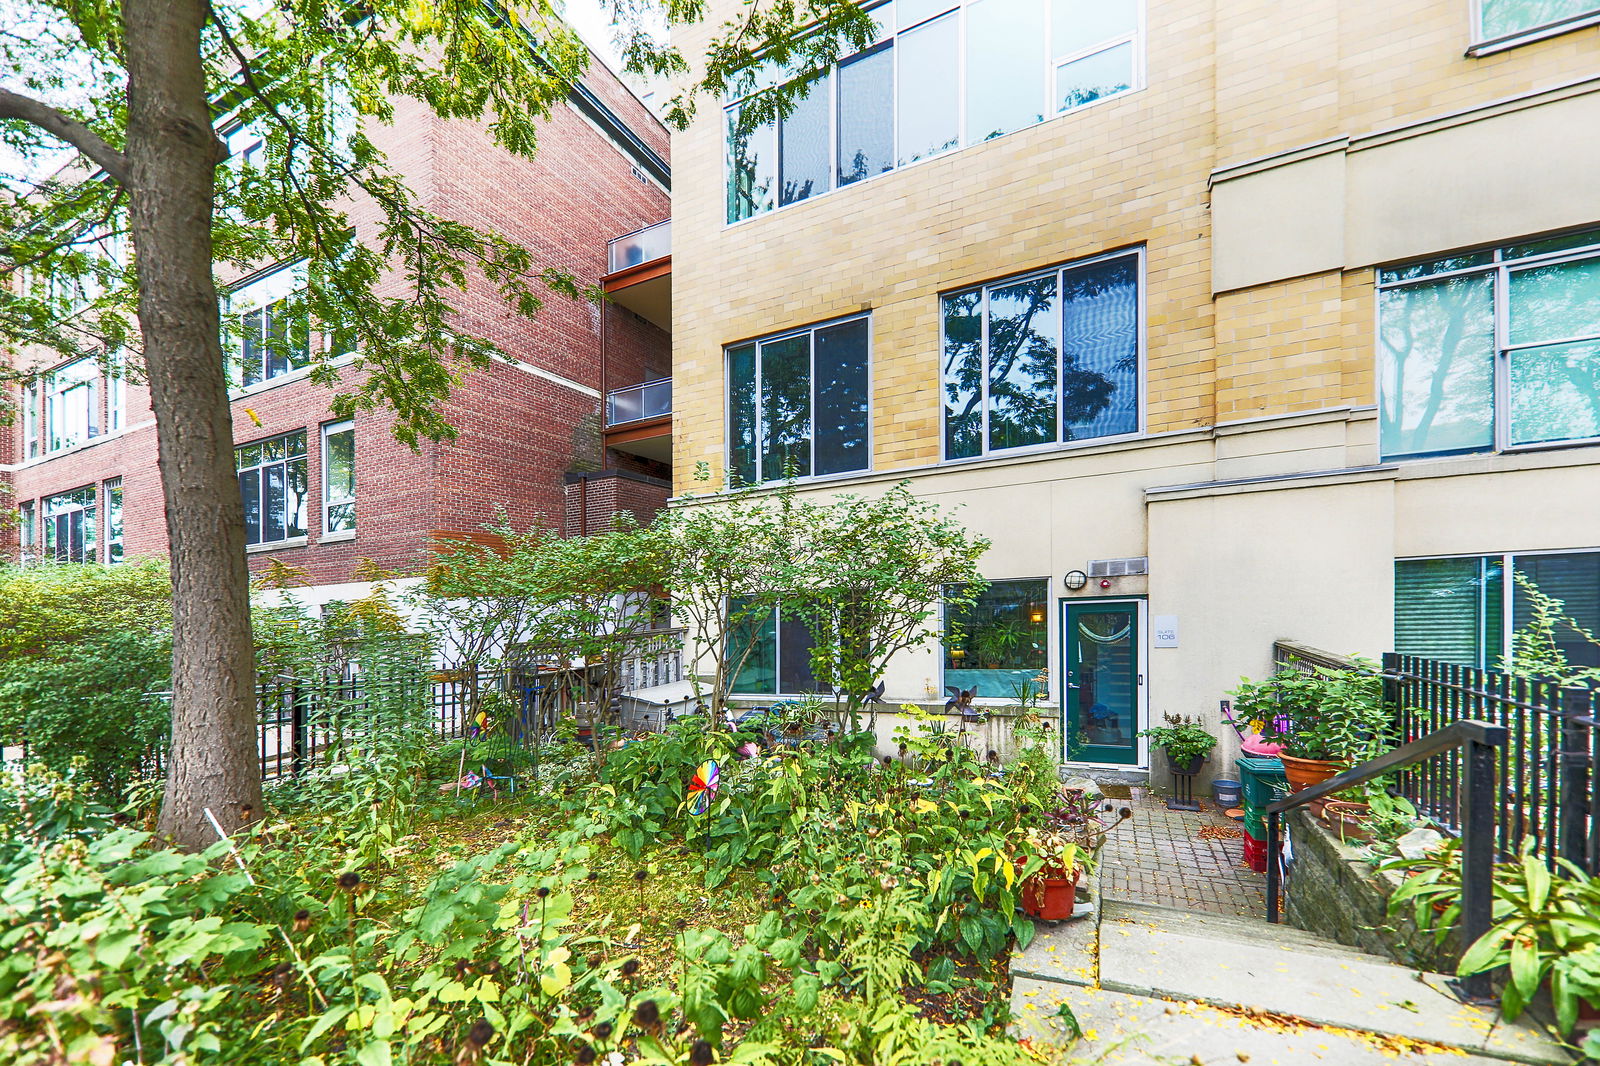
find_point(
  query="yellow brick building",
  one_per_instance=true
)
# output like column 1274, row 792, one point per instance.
column 1268, row 176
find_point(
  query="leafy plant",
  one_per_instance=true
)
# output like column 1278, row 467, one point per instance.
column 1182, row 738
column 1324, row 714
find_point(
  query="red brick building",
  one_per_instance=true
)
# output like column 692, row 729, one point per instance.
column 324, row 495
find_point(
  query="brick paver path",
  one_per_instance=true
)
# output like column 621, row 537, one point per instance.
column 1159, row 857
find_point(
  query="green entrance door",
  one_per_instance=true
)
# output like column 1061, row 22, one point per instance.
column 1103, row 677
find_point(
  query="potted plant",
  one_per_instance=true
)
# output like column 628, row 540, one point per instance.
column 1050, row 891
column 1185, row 742
column 1326, row 719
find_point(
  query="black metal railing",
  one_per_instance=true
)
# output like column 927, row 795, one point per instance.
column 1544, row 782
column 1474, row 744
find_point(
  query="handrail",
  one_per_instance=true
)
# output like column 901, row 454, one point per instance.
column 1477, row 823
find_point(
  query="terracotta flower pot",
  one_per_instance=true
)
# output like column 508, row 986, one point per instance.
column 1050, row 898
column 1303, row 773
column 1349, row 820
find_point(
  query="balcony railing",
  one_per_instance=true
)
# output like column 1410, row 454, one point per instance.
column 640, row 246
column 651, row 399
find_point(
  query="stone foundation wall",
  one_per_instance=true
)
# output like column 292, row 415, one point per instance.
column 1335, row 891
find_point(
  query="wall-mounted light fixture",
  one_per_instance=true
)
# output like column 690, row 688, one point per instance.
column 1075, row 579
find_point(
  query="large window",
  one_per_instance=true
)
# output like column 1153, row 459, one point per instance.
column 114, row 545
column 797, row 403
column 1001, row 642
column 272, row 481
column 1501, row 19
column 1459, row 609
column 339, row 477
column 944, row 73
column 32, row 420
column 1043, row 359
column 775, row 649
column 72, row 406
column 1493, row 350
column 270, row 332
column 69, row 526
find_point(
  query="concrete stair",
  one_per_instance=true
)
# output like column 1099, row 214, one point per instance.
column 1151, row 984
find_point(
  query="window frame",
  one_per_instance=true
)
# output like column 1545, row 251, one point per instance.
column 116, row 533
column 1141, row 371
column 1508, row 597
column 944, row 635
column 328, row 429
column 287, row 540
column 1499, row 268
column 53, row 399
column 27, row 533
column 238, row 303
column 1139, row 75
column 811, row 369
column 778, row 693
column 89, row 525
column 1486, row 46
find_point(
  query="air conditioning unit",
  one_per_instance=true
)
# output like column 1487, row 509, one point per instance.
column 1119, row 567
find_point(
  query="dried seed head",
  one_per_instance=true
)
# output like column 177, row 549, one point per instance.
column 700, row 1053
column 480, row 1033
column 603, row 1030
column 594, row 875
column 542, row 891
column 302, row 920
column 595, row 962
column 630, row 967
column 585, row 1055
column 350, row 880
column 647, row 1015
column 641, row 875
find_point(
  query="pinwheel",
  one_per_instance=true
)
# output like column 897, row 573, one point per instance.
column 703, row 787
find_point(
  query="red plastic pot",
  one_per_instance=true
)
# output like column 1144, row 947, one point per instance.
column 1049, row 898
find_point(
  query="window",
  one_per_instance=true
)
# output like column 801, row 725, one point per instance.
column 113, row 493
column 778, row 661
column 272, row 481
column 1001, row 642
column 1491, row 351
column 69, row 526
column 32, row 431
column 1457, row 609
column 945, row 73
column 797, row 403
column 270, row 335
column 339, row 477
column 116, row 395
column 27, row 533
column 1043, row 359
column 1502, row 19
column 71, row 410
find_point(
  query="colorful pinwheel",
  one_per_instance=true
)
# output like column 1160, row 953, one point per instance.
column 703, row 787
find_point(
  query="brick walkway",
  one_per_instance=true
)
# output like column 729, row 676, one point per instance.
column 1158, row 857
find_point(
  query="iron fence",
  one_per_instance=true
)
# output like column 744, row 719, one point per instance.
column 1545, row 788
column 1546, row 791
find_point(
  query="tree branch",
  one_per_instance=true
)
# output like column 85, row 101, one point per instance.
column 59, row 124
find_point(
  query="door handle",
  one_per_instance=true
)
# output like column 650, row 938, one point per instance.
column 1141, row 679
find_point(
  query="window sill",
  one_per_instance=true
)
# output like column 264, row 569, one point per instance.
column 247, row 391
column 335, row 538
column 272, row 546
column 1538, row 33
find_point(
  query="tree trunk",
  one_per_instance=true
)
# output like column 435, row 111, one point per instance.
column 172, row 154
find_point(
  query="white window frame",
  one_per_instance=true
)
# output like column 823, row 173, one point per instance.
column 1501, row 269
column 1053, row 63
column 33, row 419
column 328, row 501
column 287, row 540
column 811, row 370
column 57, row 398
column 90, row 522
column 111, row 489
column 27, row 533
column 282, row 282
column 1487, row 46
column 1140, row 372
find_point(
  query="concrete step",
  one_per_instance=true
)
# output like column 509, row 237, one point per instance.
column 1129, row 1030
column 1120, row 913
column 1155, row 952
